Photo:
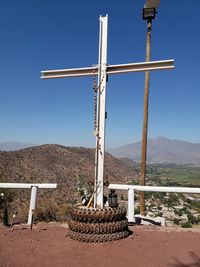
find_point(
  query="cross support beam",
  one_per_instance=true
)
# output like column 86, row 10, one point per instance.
column 110, row 69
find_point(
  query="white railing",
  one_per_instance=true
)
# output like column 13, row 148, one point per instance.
column 33, row 188
column 131, row 192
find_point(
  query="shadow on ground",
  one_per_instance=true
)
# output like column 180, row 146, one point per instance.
column 195, row 261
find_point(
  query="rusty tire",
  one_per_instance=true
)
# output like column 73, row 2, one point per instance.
column 98, row 228
column 95, row 238
column 97, row 215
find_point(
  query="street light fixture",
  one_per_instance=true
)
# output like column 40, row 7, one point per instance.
column 149, row 10
column 149, row 13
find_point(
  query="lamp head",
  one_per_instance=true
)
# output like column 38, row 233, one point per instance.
column 149, row 10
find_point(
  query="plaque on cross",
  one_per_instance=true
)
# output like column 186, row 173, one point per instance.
column 102, row 70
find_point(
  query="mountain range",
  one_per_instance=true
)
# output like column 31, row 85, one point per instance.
column 162, row 150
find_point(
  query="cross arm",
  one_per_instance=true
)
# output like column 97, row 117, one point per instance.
column 111, row 69
column 65, row 73
column 142, row 66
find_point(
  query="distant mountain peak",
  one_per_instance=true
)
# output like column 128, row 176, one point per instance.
column 163, row 150
column 162, row 138
column 12, row 146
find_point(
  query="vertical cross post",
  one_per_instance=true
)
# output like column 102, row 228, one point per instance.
column 100, row 138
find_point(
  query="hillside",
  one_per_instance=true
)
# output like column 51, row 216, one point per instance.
column 162, row 150
column 70, row 167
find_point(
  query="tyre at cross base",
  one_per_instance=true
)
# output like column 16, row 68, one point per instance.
column 97, row 215
column 90, row 238
column 98, row 228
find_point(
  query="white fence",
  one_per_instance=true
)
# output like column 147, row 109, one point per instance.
column 33, row 188
column 131, row 192
column 130, row 188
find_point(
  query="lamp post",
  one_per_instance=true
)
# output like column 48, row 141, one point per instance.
column 149, row 13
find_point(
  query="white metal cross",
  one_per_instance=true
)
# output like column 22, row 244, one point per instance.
column 103, row 70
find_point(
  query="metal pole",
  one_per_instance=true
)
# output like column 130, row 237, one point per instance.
column 145, row 120
column 32, row 204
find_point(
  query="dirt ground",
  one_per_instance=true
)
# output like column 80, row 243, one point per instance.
column 148, row 246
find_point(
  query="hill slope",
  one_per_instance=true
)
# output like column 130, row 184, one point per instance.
column 162, row 150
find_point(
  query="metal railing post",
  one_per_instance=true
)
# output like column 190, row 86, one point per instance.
column 32, row 203
column 131, row 215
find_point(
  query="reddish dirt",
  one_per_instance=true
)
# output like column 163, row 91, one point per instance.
column 48, row 245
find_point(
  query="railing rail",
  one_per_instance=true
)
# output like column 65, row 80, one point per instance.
column 131, row 192
column 33, row 188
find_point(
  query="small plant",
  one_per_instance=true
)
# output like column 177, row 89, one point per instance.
column 6, row 198
column 149, row 208
column 47, row 211
column 137, row 211
column 196, row 205
column 178, row 212
column 186, row 225
column 159, row 214
column 191, row 218
column 176, row 221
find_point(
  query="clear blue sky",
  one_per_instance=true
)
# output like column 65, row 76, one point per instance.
column 51, row 34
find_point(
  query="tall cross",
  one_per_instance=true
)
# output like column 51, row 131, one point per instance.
column 103, row 70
